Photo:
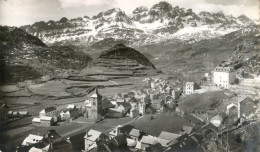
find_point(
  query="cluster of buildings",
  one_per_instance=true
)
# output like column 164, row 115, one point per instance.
column 6, row 113
column 50, row 115
column 47, row 117
column 44, row 142
column 128, row 138
column 242, row 110
column 156, row 94
column 17, row 114
column 222, row 77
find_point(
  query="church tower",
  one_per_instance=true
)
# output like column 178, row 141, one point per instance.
column 96, row 106
column 142, row 107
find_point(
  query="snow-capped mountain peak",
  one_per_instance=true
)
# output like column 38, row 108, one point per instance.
column 145, row 25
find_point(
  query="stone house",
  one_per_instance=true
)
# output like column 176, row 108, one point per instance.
column 134, row 112
column 70, row 114
column 135, row 134
column 49, row 111
column 91, row 139
column 246, row 107
column 46, row 121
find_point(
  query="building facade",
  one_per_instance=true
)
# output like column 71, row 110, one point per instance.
column 224, row 76
column 49, row 111
column 95, row 110
column 91, row 137
column 189, row 88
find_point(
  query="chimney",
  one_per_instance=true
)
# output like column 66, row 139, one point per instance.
column 118, row 129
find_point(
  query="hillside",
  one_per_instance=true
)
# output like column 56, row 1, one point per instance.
column 24, row 56
column 143, row 26
column 120, row 51
column 16, row 38
column 124, row 59
column 190, row 61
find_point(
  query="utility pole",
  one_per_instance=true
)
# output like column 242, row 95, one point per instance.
column 227, row 138
column 221, row 138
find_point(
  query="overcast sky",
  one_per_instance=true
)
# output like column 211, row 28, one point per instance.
column 22, row 12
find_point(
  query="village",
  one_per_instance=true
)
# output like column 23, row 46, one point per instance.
column 156, row 99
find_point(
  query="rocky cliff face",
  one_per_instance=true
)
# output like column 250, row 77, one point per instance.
column 144, row 26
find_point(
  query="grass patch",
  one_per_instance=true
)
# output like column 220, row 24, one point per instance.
column 205, row 101
column 171, row 123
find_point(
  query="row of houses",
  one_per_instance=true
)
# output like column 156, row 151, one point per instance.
column 128, row 138
column 235, row 113
column 49, row 115
column 17, row 114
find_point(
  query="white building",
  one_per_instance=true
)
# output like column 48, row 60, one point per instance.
column 49, row 111
column 32, row 139
column 91, row 137
column 189, row 87
column 224, row 76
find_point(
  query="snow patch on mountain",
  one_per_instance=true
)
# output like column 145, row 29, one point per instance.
column 161, row 22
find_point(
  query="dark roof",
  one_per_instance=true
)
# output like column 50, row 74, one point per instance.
column 49, row 109
column 126, row 105
column 120, row 140
column 210, row 126
column 247, row 99
column 116, row 144
column 106, row 104
column 114, row 114
column 155, row 148
column 126, row 129
column 183, row 137
column 193, row 119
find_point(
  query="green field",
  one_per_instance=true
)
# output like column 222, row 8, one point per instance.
column 163, row 122
column 204, row 101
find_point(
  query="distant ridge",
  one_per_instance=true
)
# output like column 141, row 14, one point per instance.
column 143, row 26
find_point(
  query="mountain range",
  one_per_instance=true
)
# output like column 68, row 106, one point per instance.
column 143, row 26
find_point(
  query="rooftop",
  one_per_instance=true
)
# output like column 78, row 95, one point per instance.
column 168, row 135
column 223, row 69
column 189, row 83
column 31, row 139
column 134, row 132
column 231, row 105
column 93, row 135
column 148, row 140
column 46, row 118
column 36, row 120
column 48, row 109
column 187, row 129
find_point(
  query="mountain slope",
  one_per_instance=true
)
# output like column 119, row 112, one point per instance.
column 23, row 56
column 144, row 26
column 14, row 38
column 121, row 60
